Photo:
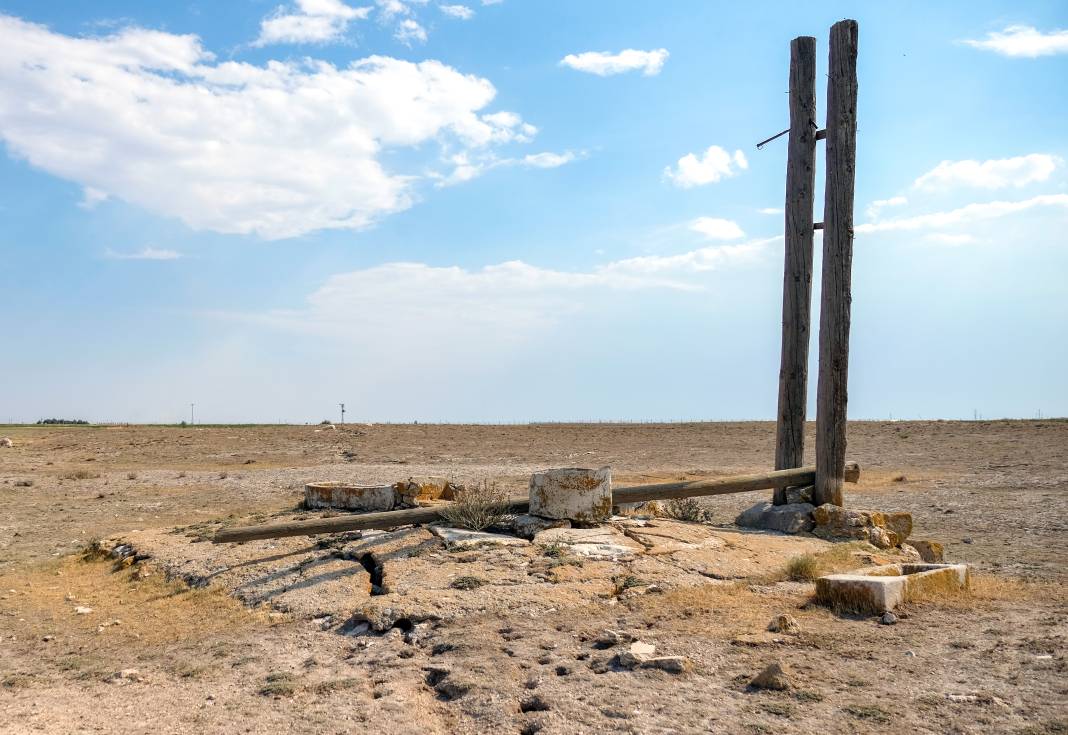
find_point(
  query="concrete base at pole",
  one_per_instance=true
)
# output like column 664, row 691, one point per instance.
column 577, row 494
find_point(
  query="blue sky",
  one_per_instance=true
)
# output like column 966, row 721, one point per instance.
column 514, row 210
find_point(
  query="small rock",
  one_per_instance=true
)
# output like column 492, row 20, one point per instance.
column 48, row 638
column 126, row 676
column 775, row 676
column 610, row 638
column 638, row 648
column 784, row 624
column 888, row 618
column 81, row 610
column 526, row 526
column 910, row 654
column 931, row 552
column 670, row 664
column 6, row 442
column 966, row 540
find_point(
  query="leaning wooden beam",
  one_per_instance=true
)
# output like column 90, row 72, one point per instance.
column 797, row 274
column 836, row 291
column 636, row 494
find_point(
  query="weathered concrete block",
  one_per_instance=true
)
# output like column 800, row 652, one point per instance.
column 793, row 518
column 883, row 588
column 577, row 494
column 349, row 497
column 884, row 530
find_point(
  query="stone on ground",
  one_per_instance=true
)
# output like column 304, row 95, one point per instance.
column 793, row 518
column 419, row 489
column 666, row 536
column 465, row 538
column 884, row 530
column 784, row 624
column 801, row 494
column 931, row 552
column 598, row 543
column 583, row 495
column 527, row 526
column 775, row 676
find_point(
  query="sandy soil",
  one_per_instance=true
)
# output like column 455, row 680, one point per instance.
column 993, row 492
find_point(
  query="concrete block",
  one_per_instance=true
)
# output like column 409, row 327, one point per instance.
column 349, row 497
column 583, row 495
column 879, row 589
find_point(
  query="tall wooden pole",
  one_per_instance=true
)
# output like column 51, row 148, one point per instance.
column 797, row 272
column 836, row 297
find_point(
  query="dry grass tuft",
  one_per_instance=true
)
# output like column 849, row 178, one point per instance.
column 79, row 475
column 987, row 588
column 687, row 509
column 838, row 558
column 477, row 507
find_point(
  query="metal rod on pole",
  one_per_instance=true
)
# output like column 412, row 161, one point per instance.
column 836, row 293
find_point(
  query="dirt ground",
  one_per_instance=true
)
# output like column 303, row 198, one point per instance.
column 995, row 493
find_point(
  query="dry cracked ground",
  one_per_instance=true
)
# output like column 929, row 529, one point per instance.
column 398, row 633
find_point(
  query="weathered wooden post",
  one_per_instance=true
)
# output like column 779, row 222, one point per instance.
column 835, row 298
column 797, row 272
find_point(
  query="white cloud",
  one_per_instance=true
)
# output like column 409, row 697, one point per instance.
column 147, row 253
column 454, row 308
column 1025, row 41
column 466, row 166
column 548, row 159
column 312, row 21
column 717, row 229
column 772, row 210
column 993, row 174
column 713, row 165
column 964, row 215
column 277, row 150
column 458, row 11
column 603, row 63
column 409, row 30
column 875, row 208
column 92, row 197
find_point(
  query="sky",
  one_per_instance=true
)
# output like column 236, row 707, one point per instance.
column 515, row 210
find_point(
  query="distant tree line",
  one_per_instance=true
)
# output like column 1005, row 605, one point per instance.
column 62, row 421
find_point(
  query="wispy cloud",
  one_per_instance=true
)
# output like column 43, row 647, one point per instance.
column 875, row 208
column 147, row 253
column 311, row 21
column 1023, row 41
column 277, row 150
column 92, row 197
column 771, row 210
column 462, row 309
column 963, row 215
column 993, row 174
column 605, row 63
column 457, row 11
column 712, row 228
column 710, row 167
column 409, row 30
column 466, row 166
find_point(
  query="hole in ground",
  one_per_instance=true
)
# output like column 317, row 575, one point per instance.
column 377, row 572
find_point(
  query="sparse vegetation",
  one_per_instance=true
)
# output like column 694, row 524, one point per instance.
column 279, row 684
column 80, row 475
column 131, row 475
column 838, row 558
column 69, row 422
column 477, row 507
column 803, row 568
column 687, row 509
column 467, row 582
column 867, row 712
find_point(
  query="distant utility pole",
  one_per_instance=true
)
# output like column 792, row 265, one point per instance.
column 342, row 413
column 191, row 422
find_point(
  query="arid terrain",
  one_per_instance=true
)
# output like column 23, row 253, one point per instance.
column 154, row 654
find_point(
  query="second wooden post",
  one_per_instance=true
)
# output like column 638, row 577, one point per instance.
column 836, row 295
